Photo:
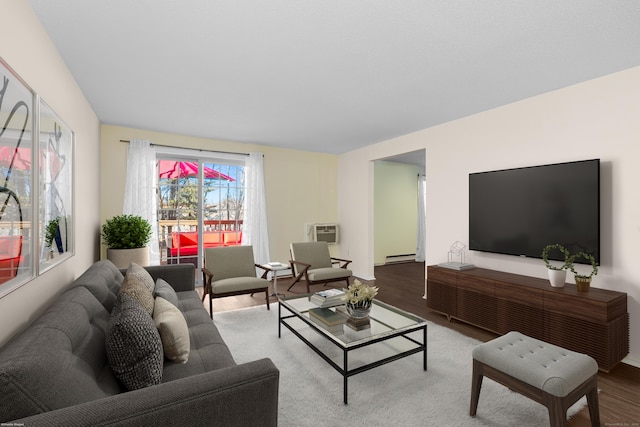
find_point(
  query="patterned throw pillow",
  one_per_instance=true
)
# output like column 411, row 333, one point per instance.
column 173, row 329
column 166, row 291
column 134, row 347
column 139, row 284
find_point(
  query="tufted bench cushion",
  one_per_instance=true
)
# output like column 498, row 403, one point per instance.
column 546, row 373
column 545, row 366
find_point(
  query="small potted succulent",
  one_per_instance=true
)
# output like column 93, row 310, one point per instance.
column 583, row 281
column 557, row 273
column 126, row 237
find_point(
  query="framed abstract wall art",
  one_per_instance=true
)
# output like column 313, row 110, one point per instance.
column 16, row 180
column 36, row 184
column 56, row 147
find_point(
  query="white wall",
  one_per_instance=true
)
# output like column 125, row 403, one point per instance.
column 395, row 209
column 28, row 50
column 595, row 119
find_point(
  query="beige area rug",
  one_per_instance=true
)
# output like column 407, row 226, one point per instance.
column 398, row 394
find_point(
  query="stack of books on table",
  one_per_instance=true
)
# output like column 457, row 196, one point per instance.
column 355, row 324
column 328, row 298
column 328, row 319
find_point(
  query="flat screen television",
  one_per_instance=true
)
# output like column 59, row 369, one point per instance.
column 520, row 211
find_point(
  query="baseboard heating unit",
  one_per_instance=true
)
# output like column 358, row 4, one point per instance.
column 391, row 259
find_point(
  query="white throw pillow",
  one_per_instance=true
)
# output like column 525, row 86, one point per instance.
column 173, row 329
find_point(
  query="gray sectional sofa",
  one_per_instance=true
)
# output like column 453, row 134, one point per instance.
column 56, row 371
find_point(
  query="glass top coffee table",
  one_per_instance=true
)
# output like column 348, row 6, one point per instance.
column 392, row 334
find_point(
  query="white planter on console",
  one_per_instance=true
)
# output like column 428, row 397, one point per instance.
column 557, row 277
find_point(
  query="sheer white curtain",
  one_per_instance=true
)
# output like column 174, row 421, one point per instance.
column 422, row 219
column 140, row 189
column 255, row 230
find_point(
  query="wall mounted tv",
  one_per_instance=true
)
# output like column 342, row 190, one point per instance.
column 520, row 211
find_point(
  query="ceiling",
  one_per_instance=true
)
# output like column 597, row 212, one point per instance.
column 329, row 75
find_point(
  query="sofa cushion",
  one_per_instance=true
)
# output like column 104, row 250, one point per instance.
column 41, row 368
column 173, row 329
column 208, row 350
column 103, row 280
column 182, row 238
column 139, row 284
column 232, row 237
column 166, row 291
column 212, row 238
column 133, row 344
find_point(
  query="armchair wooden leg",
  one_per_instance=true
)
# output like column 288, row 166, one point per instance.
column 266, row 297
column 210, row 306
column 295, row 280
column 205, row 291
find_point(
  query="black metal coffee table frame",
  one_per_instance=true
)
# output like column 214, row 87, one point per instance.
column 346, row 348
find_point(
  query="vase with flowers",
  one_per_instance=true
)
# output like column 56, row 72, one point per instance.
column 358, row 298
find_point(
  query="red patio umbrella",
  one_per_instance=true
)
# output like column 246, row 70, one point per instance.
column 174, row 169
column 20, row 158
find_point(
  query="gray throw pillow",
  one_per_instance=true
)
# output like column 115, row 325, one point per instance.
column 133, row 344
column 141, row 274
column 139, row 284
column 166, row 291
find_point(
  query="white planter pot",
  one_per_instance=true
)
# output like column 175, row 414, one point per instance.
column 557, row 278
column 123, row 257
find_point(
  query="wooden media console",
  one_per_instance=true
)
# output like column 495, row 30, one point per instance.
column 594, row 322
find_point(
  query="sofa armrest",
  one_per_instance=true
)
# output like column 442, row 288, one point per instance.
column 241, row 395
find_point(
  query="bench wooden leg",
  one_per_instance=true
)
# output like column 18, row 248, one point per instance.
column 557, row 412
column 476, row 384
column 594, row 409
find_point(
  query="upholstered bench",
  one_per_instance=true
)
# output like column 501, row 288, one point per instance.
column 548, row 374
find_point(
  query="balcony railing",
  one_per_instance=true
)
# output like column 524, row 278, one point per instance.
column 216, row 232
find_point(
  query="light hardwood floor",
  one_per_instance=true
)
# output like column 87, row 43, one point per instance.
column 402, row 285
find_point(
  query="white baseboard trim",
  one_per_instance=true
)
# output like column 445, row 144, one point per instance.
column 631, row 361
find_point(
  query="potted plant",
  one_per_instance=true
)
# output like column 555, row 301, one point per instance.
column 126, row 237
column 52, row 236
column 583, row 281
column 557, row 274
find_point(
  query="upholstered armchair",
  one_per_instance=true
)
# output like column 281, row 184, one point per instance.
column 231, row 270
column 312, row 261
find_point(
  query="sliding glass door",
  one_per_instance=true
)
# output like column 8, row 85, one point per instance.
column 200, row 205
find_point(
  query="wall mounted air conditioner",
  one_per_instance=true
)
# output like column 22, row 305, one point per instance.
column 326, row 233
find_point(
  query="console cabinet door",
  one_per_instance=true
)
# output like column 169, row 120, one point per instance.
column 519, row 308
column 476, row 303
column 441, row 291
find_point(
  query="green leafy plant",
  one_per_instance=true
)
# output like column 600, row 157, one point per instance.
column 568, row 259
column 126, row 232
column 588, row 257
column 50, row 231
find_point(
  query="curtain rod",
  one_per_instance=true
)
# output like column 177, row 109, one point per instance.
column 186, row 148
